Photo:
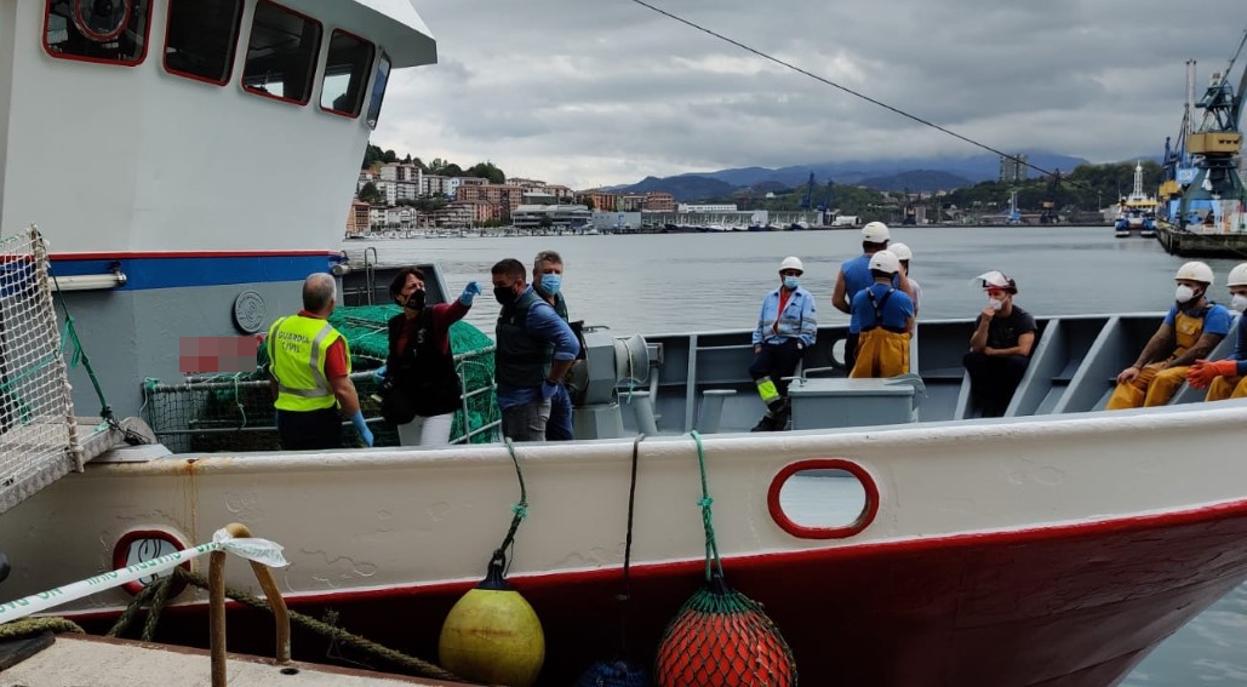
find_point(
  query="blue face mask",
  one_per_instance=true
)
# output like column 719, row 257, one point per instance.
column 550, row 283
column 791, row 282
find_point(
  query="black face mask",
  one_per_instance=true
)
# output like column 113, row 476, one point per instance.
column 505, row 295
column 416, row 300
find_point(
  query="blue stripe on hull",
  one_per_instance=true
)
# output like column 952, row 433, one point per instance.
column 171, row 272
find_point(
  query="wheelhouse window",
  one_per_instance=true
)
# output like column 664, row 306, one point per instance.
column 346, row 74
column 200, row 39
column 378, row 90
column 281, row 54
column 108, row 31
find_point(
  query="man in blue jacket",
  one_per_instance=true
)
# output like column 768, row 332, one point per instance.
column 1227, row 378
column 854, row 276
column 786, row 327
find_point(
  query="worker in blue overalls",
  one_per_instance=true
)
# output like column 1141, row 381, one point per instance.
column 883, row 314
column 786, row 328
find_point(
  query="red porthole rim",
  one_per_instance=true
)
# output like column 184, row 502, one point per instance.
column 76, row 9
column 121, row 553
column 869, row 511
column 147, row 31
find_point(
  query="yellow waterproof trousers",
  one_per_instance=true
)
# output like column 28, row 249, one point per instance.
column 1153, row 387
column 881, row 353
column 1227, row 387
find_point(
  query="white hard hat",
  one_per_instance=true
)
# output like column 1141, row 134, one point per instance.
column 1238, row 276
column 1195, row 271
column 792, row 263
column 901, row 251
column 885, row 261
column 875, row 232
column 997, row 279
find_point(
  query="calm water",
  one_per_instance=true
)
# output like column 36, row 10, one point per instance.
column 699, row 282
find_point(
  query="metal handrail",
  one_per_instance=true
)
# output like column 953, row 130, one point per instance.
column 216, row 607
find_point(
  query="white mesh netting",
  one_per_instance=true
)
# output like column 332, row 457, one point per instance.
column 38, row 435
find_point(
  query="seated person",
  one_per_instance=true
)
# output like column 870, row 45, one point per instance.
column 1000, row 348
column 786, row 327
column 1227, row 378
column 1192, row 328
column 883, row 316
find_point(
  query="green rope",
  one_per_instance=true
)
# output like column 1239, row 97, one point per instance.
column 707, row 515
column 27, row 627
column 518, row 512
column 127, row 616
column 159, row 599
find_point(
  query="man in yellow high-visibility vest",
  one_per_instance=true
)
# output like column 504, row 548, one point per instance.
column 309, row 371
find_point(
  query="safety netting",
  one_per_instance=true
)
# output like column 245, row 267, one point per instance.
column 38, row 433
column 234, row 412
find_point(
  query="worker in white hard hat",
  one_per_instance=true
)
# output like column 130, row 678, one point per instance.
column 1000, row 347
column 904, row 254
column 854, row 276
column 1227, row 378
column 1191, row 329
column 786, row 329
column 883, row 315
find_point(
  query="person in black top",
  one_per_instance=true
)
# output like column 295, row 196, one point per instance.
column 421, row 389
column 1000, row 349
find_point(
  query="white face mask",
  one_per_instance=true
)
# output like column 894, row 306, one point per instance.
column 1184, row 293
column 1239, row 302
column 995, row 303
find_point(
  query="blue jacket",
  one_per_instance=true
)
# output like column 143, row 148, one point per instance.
column 1240, row 347
column 797, row 320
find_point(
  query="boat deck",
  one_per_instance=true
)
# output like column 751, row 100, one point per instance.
column 103, row 662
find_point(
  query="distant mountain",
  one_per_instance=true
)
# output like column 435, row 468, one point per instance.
column 685, row 187
column 974, row 168
column 915, row 180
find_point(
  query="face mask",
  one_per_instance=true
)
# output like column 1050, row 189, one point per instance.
column 1239, row 302
column 505, row 295
column 1184, row 293
column 550, row 283
column 790, row 282
column 996, row 303
column 416, row 300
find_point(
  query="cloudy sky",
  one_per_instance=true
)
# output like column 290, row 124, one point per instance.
column 594, row 92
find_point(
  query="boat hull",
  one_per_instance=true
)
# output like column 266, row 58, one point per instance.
column 1072, row 606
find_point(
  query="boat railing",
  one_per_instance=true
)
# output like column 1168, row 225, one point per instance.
column 234, row 412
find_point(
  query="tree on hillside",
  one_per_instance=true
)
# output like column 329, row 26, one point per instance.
column 389, row 156
column 369, row 193
column 486, row 170
column 372, row 155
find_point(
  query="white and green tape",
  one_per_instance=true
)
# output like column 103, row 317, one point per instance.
column 251, row 548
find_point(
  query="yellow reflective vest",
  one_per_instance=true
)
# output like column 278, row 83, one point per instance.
column 296, row 351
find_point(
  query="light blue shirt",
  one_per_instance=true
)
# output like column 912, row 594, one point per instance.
column 797, row 320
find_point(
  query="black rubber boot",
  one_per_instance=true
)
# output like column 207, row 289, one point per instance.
column 766, row 424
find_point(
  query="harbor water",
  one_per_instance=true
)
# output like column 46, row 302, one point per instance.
column 669, row 283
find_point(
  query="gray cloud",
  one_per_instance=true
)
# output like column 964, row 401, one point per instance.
column 604, row 91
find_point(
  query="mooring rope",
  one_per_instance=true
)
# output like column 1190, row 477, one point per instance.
column 26, row 627
column 707, row 515
column 625, row 598
column 519, row 512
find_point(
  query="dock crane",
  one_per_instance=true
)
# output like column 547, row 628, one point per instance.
column 1049, row 213
column 1215, row 196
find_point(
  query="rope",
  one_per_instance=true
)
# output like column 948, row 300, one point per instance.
column 707, row 515
column 626, row 597
column 127, row 616
column 26, row 627
column 519, row 512
column 159, row 599
column 411, row 663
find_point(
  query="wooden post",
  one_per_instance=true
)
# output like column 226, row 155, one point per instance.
column 216, row 607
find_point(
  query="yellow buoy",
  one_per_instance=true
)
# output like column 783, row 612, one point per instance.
column 492, row 635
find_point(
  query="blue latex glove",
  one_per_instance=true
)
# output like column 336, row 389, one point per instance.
column 549, row 390
column 379, row 374
column 472, row 290
column 362, row 427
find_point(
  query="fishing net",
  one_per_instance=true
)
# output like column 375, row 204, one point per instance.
column 721, row 637
column 38, row 433
column 234, row 412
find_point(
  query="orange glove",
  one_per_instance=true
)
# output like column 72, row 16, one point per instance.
column 1203, row 372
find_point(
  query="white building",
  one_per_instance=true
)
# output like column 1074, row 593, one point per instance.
column 712, row 207
column 394, row 191
column 433, row 185
column 559, row 216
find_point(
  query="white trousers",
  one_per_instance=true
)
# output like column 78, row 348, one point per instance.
column 426, row 431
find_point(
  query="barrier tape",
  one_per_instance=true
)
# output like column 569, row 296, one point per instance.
column 251, row 548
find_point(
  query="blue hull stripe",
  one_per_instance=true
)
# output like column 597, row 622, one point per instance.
column 174, row 272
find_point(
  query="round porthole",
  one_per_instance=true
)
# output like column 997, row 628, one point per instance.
column 823, row 498
column 138, row 546
column 102, row 21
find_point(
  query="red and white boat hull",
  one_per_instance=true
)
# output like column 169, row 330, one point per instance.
column 1044, row 552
